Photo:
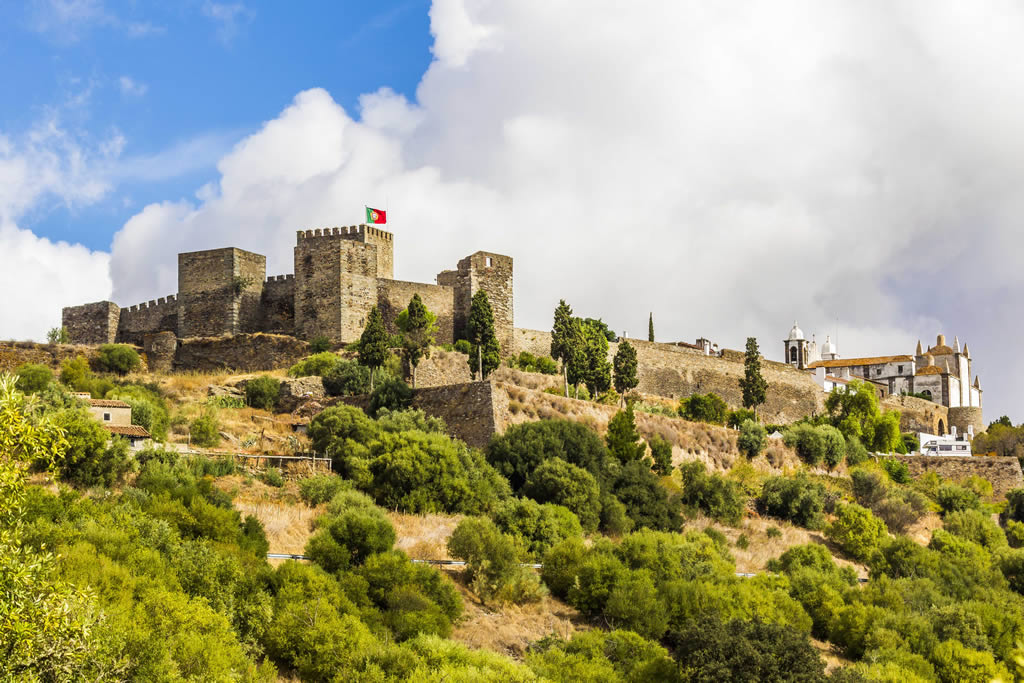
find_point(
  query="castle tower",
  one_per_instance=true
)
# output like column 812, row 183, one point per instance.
column 336, row 272
column 796, row 348
column 493, row 274
column 219, row 292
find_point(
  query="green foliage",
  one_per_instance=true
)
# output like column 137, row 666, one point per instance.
column 527, row 362
column 522, row 448
column 661, row 455
column 1015, row 533
column 342, row 432
column 118, row 358
column 346, row 378
column 273, row 477
column 1014, row 509
column 598, row 655
column 92, row 458
column 596, row 370
column 567, row 344
column 753, row 384
column 648, row 503
column 622, row 438
column 58, row 335
column 391, row 394
column 418, row 327
column 319, row 344
column 773, row 532
column 708, row 408
column 562, row 483
column 492, row 563
column 410, row 419
column 738, row 417
column 463, row 346
column 535, row 527
column 856, row 531
column 808, row 441
column 833, row 446
column 712, row 494
column 346, row 540
column 262, row 392
column 204, row 431
column 624, row 368
column 75, row 374
column 856, row 453
column 854, row 410
column 374, row 342
column 896, row 469
column 975, row 527
column 484, row 356
column 752, row 439
column 149, row 409
column 955, row 663
column 650, row 327
column 952, row 498
column 706, row 649
column 33, row 378
column 796, row 499
column 318, row 364
column 320, row 488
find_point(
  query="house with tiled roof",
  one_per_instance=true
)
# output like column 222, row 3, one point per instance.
column 116, row 417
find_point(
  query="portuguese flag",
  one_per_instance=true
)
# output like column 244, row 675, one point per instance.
column 376, row 216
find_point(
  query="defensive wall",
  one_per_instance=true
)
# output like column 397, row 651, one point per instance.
column 1003, row 473
column 340, row 274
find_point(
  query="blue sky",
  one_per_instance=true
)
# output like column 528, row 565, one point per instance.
column 181, row 82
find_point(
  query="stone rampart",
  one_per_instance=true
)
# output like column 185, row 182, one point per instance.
column 393, row 297
column 917, row 414
column 1003, row 473
column 13, row 354
column 160, row 349
column 94, row 323
column 537, row 342
column 278, row 305
column 158, row 315
column 964, row 417
column 242, row 352
column 443, row 367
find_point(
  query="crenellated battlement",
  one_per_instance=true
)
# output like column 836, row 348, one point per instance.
column 163, row 301
column 358, row 232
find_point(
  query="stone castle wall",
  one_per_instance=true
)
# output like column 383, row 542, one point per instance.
column 917, row 414
column 94, row 323
column 393, row 297
column 1003, row 473
column 965, row 417
column 159, row 315
column 277, row 305
column 219, row 292
column 241, row 352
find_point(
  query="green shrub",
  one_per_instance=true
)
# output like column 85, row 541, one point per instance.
column 796, row 499
column 492, row 565
column 615, row 520
column 712, row 494
column 856, row 531
column 535, row 527
column 648, row 503
column 205, row 430
column 522, row 448
column 975, row 527
column 634, row 605
column 896, row 469
column 596, row 577
column 560, row 565
column 738, row 417
column 342, row 432
column 900, row 509
column 834, row 446
column 346, row 378
column 318, row 364
column 752, row 438
column 410, row 419
column 561, row 483
column 952, row 498
column 118, row 358
column 33, row 378
column 320, row 488
column 773, row 532
column 1014, row 506
column 856, row 453
column 598, row 655
column 808, row 441
column 955, row 663
column 463, row 346
column 347, row 539
column 661, row 454
column 708, row 408
column 391, row 393
column 273, row 477
column 743, row 542
column 262, row 392
column 1015, row 533
column 319, row 344
column 527, row 362
column 225, row 401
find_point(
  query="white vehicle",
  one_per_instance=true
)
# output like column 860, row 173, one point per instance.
column 950, row 444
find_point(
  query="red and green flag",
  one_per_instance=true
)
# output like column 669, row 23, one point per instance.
column 376, row 216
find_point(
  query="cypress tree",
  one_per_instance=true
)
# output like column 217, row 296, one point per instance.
column 650, row 327
column 597, row 371
column 374, row 343
column 753, row 384
column 418, row 326
column 567, row 343
column 625, row 367
column 622, row 438
column 485, row 356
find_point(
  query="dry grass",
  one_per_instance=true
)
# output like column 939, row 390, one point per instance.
column 510, row 629
column 287, row 521
column 423, row 537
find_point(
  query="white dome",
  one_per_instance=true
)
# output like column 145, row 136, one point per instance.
column 795, row 333
column 827, row 347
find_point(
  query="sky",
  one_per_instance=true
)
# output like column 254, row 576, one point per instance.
column 728, row 167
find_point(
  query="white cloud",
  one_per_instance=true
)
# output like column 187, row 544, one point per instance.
column 728, row 166
column 131, row 87
column 229, row 17
column 67, row 21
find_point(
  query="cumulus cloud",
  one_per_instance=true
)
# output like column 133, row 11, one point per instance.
column 728, row 166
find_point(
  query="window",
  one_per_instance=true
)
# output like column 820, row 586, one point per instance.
column 106, row 417
column 899, row 369
column 878, row 371
column 792, row 354
column 489, row 262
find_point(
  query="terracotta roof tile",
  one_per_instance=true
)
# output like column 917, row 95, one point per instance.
column 107, row 403
column 849, row 362
column 128, row 430
column 930, row 370
column 940, row 351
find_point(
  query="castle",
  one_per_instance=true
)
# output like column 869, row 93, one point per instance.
column 941, row 374
column 340, row 275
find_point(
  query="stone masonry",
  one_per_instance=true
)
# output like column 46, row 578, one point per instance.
column 340, row 275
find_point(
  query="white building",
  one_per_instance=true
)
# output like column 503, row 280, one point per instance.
column 950, row 444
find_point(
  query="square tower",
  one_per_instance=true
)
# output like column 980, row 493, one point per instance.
column 219, row 292
column 493, row 274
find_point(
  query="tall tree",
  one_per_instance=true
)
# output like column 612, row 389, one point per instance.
column 650, row 326
column 624, row 366
column 753, row 383
column 597, row 374
column 622, row 438
column 418, row 326
column 374, row 343
column 567, row 342
column 485, row 356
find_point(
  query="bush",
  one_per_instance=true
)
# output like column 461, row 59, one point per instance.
column 527, row 362
column 319, row 344
column 955, row 663
column 391, row 393
column 834, row 445
column 738, row 417
column 118, row 358
column 975, row 527
column 648, row 503
column 342, row 431
column 1015, row 533
column 535, row 527
column 856, row 453
column 1014, row 506
column 752, row 439
column 773, row 532
column 808, row 441
column 262, row 392
column 320, row 488
column 273, row 477
column 796, row 499
column 901, row 509
column 661, row 454
column 318, row 364
column 856, row 531
column 562, row 483
column 463, row 346
column 205, row 430
column 522, row 448
column 349, row 538
column 410, row 419
column 33, row 378
column 897, row 470
column 712, row 494
column 952, row 498
column 149, row 409
column 492, row 565
column 708, row 408
column 346, row 378
column 92, row 458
